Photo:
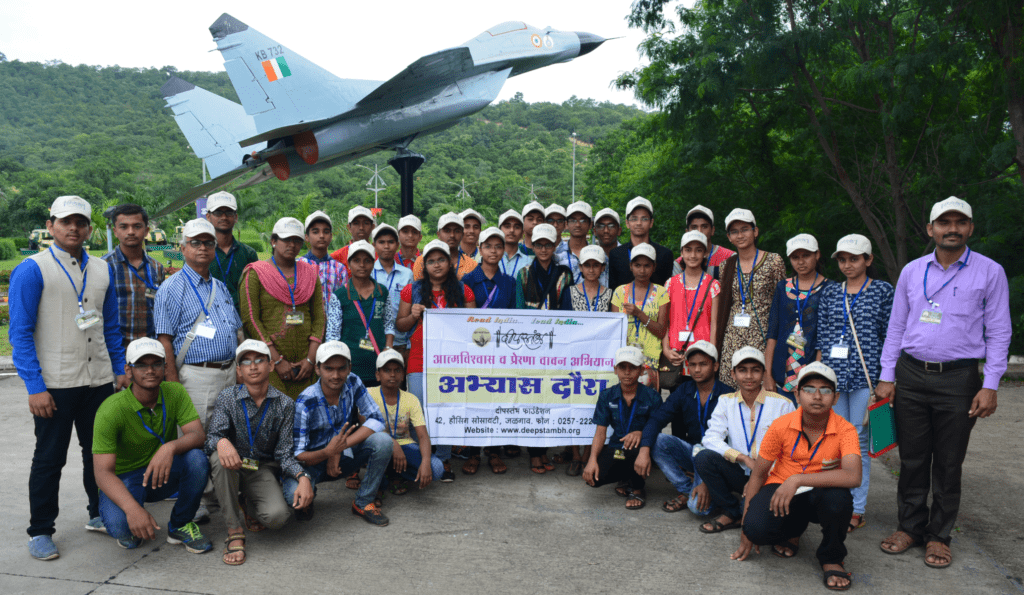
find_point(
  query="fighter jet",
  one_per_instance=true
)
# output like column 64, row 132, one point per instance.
column 296, row 118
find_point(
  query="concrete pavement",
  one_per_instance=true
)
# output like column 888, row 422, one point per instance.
column 514, row 533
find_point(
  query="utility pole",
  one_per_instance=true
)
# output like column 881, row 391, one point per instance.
column 574, row 167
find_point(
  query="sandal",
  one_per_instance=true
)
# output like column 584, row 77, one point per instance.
column 378, row 499
column 512, row 451
column 562, row 457
column 539, row 468
column 472, row 465
column 230, row 549
column 352, row 481
column 676, row 504
column 497, row 465
column 548, row 465
column 575, row 468
column 840, row 574
column 902, row 540
column 856, row 522
column 623, row 490
column 938, row 550
column 718, row 527
column 786, row 549
column 637, row 495
column 398, row 487
column 251, row 524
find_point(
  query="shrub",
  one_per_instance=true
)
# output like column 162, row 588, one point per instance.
column 257, row 246
column 21, row 243
column 8, row 251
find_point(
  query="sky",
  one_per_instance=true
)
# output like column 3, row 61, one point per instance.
column 363, row 40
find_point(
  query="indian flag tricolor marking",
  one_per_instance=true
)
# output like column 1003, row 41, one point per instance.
column 276, row 68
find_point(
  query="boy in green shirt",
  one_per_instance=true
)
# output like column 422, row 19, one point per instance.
column 138, row 457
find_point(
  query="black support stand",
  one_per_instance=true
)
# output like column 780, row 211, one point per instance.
column 406, row 163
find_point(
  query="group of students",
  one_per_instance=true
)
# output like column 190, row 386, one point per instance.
column 340, row 334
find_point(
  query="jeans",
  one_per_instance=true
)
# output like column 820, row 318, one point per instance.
column 829, row 507
column 415, row 380
column 674, row 456
column 374, row 453
column 189, row 473
column 76, row 407
column 414, row 457
column 852, row 406
column 722, row 478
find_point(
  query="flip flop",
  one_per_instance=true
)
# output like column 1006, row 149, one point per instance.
column 718, row 527
column 637, row 495
column 795, row 548
column 837, row 573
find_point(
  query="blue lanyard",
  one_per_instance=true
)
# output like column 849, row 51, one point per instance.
column 820, row 440
column 216, row 254
column 458, row 262
column 196, row 291
column 85, row 275
column 461, row 252
column 148, row 281
column 490, row 296
column 636, row 319
column 291, row 286
column 586, row 297
column 401, row 260
column 163, row 425
column 248, row 427
column 579, row 267
column 391, row 277
column 701, row 416
column 739, row 267
column 696, row 293
column 846, row 319
column 327, row 410
column 387, row 416
column 928, row 267
column 514, row 262
column 540, row 286
column 632, row 412
column 750, row 439
column 799, row 308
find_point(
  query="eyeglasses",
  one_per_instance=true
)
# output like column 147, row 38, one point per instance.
column 544, row 246
column 822, row 390
column 228, row 213
column 554, row 221
column 156, row 367
column 245, row 363
column 639, row 219
column 604, row 226
column 578, row 221
column 436, row 262
column 739, row 231
column 202, row 243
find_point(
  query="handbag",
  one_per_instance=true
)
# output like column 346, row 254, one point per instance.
column 668, row 375
column 860, row 354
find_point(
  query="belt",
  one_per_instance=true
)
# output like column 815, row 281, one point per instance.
column 938, row 367
column 214, row 365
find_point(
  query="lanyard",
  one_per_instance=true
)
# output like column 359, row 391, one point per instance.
column 739, row 267
column 928, row 267
column 387, row 417
column 701, row 416
column 401, row 260
column 514, row 262
column 820, row 440
column 231, row 259
column 636, row 319
column 578, row 273
column 696, row 294
column 163, row 425
column 373, row 304
column 391, row 277
column 586, row 297
column 85, row 276
column 248, row 427
column 473, row 255
column 847, row 309
column 490, row 296
column 632, row 412
column 799, row 308
column 750, row 439
column 327, row 410
column 458, row 262
column 540, row 286
column 148, row 281
column 196, row 291
column 291, row 286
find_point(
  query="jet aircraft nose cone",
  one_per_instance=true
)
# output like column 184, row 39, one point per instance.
column 589, row 42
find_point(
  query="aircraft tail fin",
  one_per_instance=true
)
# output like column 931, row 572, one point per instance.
column 212, row 124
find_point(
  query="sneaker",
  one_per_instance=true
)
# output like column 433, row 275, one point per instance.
column 129, row 543
column 41, row 547
column 96, row 524
column 190, row 537
column 460, row 452
column 447, row 476
column 305, row 514
column 202, row 515
column 371, row 514
column 172, row 497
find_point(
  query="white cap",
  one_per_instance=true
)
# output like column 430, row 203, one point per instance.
column 144, row 346
column 704, row 211
column 744, row 353
column 491, row 232
column 629, row 354
column 853, row 244
column 289, row 227
column 378, row 229
column 251, row 345
column 553, row 208
column 509, row 214
column 644, row 249
column 694, row 236
column 330, row 349
column 449, row 218
column 592, row 252
column 361, row 246
column 531, row 207
column 436, row 245
column 739, row 215
column 317, row 216
column 360, row 211
column 70, row 205
column 198, row 227
column 637, row 203
column 951, row 204
column 704, row 347
column 606, row 212
column 804, row 241
column 410, row 221
column 219, row 200
column 475, row 215
column 580, row 207
column 389, row 355
column 816, row 369
column 545, row 231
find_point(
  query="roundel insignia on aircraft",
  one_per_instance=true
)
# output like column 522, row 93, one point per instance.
column 535, row 39
column 548, row 42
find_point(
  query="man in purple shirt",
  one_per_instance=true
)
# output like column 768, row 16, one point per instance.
column 950, row 310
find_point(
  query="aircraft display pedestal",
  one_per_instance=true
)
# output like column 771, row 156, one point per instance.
column 406, row 163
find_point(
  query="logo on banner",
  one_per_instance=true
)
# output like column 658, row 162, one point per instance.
column 481, row 337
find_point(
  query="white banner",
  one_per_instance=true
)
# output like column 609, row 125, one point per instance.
column 524, row 377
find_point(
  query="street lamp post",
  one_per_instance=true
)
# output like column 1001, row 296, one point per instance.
column 574, row 167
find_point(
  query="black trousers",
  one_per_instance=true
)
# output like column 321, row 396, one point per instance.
column 723, row 479
column 612, row 470
column 76, row 407
column 829, row 507
column 933, row 429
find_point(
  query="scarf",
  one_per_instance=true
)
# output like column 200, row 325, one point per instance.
column 277, row 287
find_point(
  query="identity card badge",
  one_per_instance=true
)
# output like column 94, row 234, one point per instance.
column 150, row 294
column 87, row 319
column 293, row 318
column 796, row 338
column 685, row 336
column 206, row 330
column 250, row 464
column 364, row 343
column 619, row 455
column 931, row 316
column 840, row 351
column 741, row 320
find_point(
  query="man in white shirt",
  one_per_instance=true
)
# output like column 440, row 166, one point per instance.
column 514, row 259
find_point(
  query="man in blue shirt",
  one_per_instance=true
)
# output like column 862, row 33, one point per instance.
column 688, row 409
column 625, row 407
column 492, row 288
column 394, row 277
column 67, row 349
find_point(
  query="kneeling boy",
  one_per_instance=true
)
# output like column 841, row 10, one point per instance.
column 138, row 457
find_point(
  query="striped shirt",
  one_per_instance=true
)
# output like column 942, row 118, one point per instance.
column 333, row 274
column 177, row 308
column 316, row 422
column 136, row 311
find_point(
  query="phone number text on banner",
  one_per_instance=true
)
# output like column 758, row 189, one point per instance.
column 523, row 377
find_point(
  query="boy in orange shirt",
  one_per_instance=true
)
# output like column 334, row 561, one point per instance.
column 805, row 467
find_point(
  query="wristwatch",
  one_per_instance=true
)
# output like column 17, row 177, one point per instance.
column 304, row 474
